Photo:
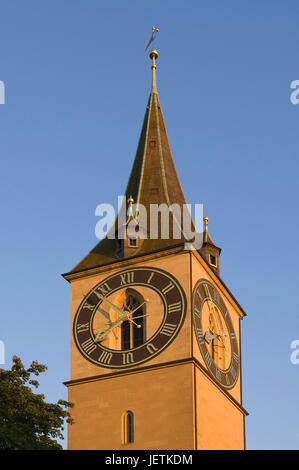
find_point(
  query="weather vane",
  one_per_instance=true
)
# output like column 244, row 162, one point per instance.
column 152, row 38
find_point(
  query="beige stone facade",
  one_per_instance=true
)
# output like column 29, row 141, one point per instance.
column 176, row 404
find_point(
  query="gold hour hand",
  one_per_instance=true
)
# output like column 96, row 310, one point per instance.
column 209, row 336
column 102, row 335
column 124, row 315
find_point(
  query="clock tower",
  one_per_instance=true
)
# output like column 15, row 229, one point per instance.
column 155, row 332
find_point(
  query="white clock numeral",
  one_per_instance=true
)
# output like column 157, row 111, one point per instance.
column 88, row 305
column 128, row 358
column 218, row 375
column 88, row 346
column 207, row 292
column 167, row 288
column 236, row 357
column 199, row 335
column 232, row 335
column 126, row 278
column 176, row 307
column 208, row 359
column 105, row 357
column 197, row 312
column 104, row 289
column 82, row 327
column 233, row 372
column 227, row 379
column 198, row 293
column 150, row 278
column 216, row 297
column 199, row 332
column 168, row 329
column 151, row 348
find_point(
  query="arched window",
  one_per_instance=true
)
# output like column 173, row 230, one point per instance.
column 127, row 427
column 133, row 332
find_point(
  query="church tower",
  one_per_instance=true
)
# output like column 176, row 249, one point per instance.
column 155, row 342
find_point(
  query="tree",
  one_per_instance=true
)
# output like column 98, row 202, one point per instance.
column 27, row 422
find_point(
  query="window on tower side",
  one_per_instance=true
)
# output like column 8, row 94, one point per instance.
column 132, row 242
column 213, row 260
column 127, row 427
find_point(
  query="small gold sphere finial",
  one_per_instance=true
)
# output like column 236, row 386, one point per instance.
column 206, row 221
column 130, row 200
column 153, row 54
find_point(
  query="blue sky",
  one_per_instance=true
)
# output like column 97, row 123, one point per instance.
column 77, row 83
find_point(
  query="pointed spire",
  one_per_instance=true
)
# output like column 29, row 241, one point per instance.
column 153, row 180
column 154, row 177
column 209, row 250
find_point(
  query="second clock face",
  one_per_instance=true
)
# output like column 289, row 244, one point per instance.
column 129, row 317
column 215, row 334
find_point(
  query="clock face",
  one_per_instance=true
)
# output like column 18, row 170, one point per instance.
column 215, row 334
column 129, row 318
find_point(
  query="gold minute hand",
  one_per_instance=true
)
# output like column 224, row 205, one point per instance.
column 137, row 308
column 130, row 313
column 117, row 309
column 215, row 312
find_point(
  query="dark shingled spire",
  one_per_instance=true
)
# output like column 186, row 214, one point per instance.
column 153, row 180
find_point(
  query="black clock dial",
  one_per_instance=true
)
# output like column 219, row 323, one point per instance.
column 215, row 334
column 129, row 318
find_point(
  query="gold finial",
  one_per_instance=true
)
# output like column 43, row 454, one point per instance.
column 130, row 208
column 206, row 221
column 153, row 55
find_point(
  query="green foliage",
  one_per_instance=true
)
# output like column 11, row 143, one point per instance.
column 27, row 422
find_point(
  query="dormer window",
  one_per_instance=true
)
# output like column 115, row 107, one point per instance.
column 132, row 242
column 213, row 260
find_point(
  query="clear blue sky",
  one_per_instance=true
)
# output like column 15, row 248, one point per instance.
column 77, row 83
